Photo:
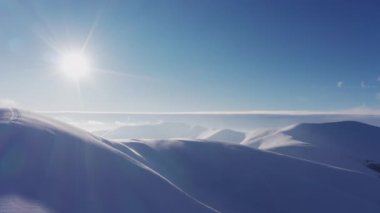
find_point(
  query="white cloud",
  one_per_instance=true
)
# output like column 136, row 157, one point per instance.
column 242, row 120
column 120, row 123
column 339, row 84
column 95, row 123
column 364, row 85
column 7, row 103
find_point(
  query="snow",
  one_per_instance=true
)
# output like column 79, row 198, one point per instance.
column 169, row 130
column 223, row 135
column 235, row 178
column 18, row 204
column 70, row 170
column 48, row 166
column 350, row 145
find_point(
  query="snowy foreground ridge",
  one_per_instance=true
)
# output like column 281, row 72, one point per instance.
column 48, row 166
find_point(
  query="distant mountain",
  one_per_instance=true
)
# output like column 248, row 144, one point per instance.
column 223, row 135
column 346, row 144
column 170, row 130
column 154, row 131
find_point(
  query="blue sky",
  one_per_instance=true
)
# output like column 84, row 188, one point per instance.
column 198, row 55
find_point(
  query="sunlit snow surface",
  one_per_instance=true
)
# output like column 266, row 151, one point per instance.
column 48, row 166
column 18, row 204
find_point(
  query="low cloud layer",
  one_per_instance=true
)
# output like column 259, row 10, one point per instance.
column 8, row 103
column 238, row 120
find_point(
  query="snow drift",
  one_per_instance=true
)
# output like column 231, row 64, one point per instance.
column 50, row 167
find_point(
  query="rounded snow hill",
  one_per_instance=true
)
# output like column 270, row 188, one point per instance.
column 235, row 178
column 347, row 144
column 57, row 168
column 223, row 135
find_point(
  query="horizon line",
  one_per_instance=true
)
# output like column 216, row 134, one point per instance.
column 250, row 112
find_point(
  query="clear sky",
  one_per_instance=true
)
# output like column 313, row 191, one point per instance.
column 193, row 55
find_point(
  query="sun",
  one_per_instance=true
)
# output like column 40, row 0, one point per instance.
column 75, row 65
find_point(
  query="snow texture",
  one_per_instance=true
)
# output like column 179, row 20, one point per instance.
column 48, row 166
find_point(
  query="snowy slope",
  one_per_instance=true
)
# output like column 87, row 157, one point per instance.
column 350, row 145
column 52, row 166
column 235, row 178
column 47, row 166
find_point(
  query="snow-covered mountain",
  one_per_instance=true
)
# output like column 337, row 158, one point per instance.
column 350, row 145
column 235, row 178
column 222, row 135
column 347, row 144
column 170, row 130
column 47, row 166
column 57, row 168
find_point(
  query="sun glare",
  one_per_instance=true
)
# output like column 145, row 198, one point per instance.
column 75, row 65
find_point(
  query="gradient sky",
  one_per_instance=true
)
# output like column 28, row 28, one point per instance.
column 193, row 55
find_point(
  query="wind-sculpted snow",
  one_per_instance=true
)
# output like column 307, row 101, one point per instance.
column 350, row 145
column 235, row 178
column 47, row 166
